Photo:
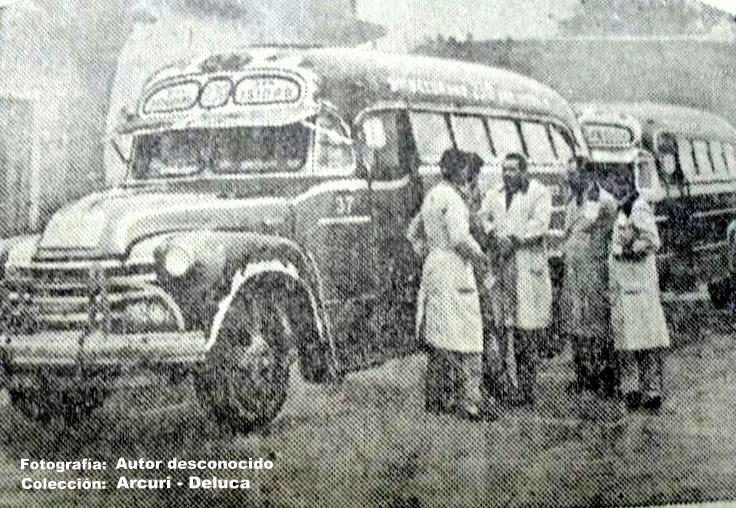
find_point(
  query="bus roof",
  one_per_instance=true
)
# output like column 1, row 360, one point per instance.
column 656, row 117
column 417, row 79
column 354, row 79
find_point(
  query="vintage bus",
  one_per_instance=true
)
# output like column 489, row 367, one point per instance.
column 685, row 164
column 263, row 218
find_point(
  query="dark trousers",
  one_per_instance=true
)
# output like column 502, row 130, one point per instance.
column 595, row 364
column 642, row 371
column 452, row 380
column 500, row 374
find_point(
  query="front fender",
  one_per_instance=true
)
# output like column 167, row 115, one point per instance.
column 226, row 263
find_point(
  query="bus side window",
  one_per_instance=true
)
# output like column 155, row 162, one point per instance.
column 386, row 163
column 685, row 157
column 702, row 157
column 432, row 136
column 505, row 136
column 716, row 155
column 471, row 134
column 729, row 153
column 562, row 144
column 334, row 156
column 537, row 142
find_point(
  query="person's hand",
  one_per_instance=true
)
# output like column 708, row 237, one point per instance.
column 627, row 236
column 505, row 246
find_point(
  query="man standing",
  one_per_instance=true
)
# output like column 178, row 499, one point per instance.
column 517, row 214
column 584, row 301
column 448, row 309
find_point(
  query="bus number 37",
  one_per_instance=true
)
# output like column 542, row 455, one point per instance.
column 344, row 204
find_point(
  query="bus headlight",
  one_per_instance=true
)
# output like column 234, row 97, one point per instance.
column 178, row 261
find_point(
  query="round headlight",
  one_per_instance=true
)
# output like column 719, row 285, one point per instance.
column 177, row 261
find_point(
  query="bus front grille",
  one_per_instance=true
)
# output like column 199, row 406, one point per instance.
column 118, row 298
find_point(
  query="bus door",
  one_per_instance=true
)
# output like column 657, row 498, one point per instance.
column 334, row 222
column 396, row 196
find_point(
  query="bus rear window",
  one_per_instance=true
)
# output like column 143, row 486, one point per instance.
column 505, row 136
column 538, row 143
column 432, row 136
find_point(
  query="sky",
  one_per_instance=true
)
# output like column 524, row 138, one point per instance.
column 410, row 21
column 725, row 5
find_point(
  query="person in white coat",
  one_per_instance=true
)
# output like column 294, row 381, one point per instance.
column 517, row 214
column 639, row 327
column 448, row 309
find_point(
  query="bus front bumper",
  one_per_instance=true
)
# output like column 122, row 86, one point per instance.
column 72, row 349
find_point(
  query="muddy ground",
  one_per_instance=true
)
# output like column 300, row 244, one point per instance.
column 368, row 442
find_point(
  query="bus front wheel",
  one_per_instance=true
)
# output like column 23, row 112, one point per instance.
column 245, row 378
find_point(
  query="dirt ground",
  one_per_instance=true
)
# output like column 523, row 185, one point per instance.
column 368, row 442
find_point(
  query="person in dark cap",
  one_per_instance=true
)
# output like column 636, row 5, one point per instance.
column 448, row 309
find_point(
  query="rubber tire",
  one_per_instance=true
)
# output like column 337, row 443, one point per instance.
column 244, row 389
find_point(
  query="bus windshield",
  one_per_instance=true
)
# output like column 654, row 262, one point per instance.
column 240, row 150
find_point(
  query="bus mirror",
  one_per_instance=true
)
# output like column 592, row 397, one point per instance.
column 666, row 143
column 669, row 165
column 375, row 135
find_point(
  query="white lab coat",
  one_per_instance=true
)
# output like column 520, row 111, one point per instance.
column 637, row 316
column 448, row 308
column 527, row 218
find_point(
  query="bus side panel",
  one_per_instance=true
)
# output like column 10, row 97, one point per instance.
column 334, row 224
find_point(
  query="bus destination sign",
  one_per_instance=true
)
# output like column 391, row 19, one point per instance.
column 178, row 97
column 217, row 92
column 608, row 136
column 266, row 90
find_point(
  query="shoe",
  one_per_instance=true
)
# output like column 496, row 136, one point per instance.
column 492, row 410
column 652, row 402
column 633, row 400
column 437, row 408
column 469, row 411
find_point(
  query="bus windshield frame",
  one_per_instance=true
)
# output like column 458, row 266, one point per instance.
column 222, row 151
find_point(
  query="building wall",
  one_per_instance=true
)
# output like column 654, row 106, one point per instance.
column 39, row 98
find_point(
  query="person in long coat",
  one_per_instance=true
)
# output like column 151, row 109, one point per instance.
column 448, row 308
column 638, row 321
column 517, row 215
column 584, row 298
